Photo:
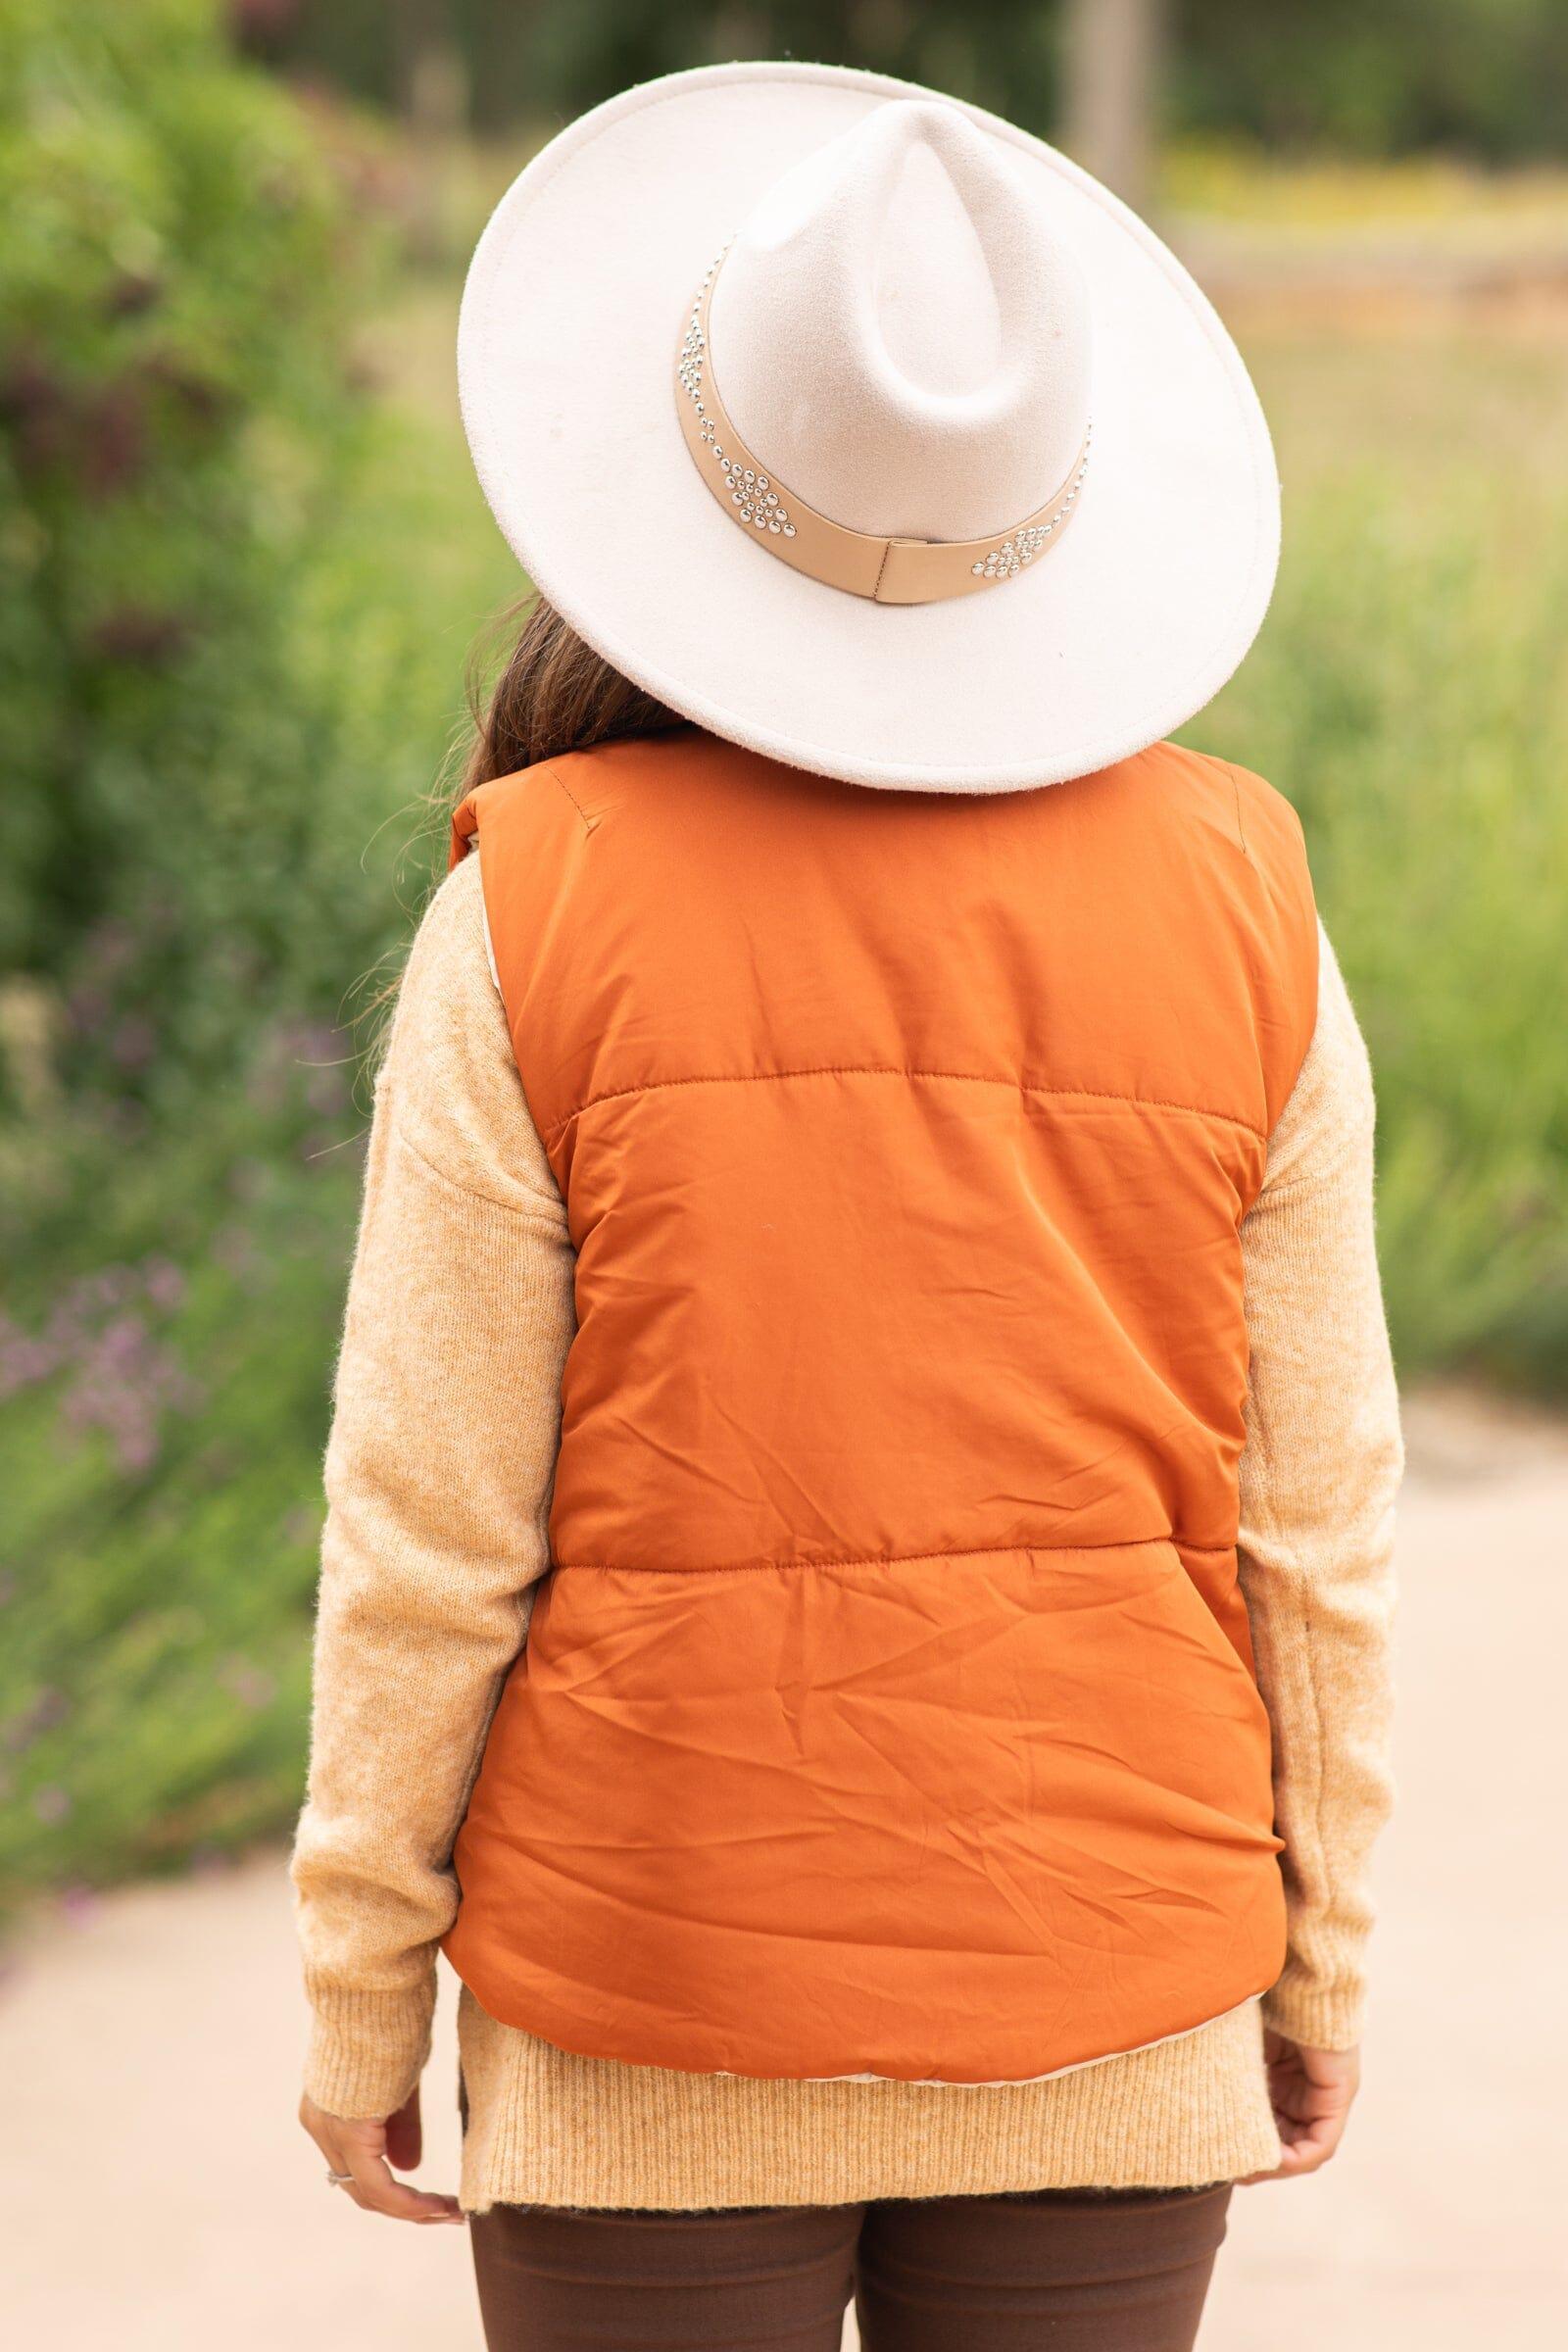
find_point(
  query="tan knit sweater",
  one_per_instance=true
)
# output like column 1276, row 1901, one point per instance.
column 438, row 1480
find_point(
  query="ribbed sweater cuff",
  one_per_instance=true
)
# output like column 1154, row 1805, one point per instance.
column 1317, row 2015
column 367, row 2049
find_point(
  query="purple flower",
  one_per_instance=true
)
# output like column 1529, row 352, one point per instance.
column 324, row 1090
column 165, row 1284
column 135, row 1042
column 234, row 1249
column 100, row 1338
column 245, row 1681
column 44, row 1710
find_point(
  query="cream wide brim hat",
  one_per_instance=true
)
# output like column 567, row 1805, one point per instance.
column 1058, row 305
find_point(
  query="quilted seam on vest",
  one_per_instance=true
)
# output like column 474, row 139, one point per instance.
column 889, row 1707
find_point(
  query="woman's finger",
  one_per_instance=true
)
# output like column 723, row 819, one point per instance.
column 1305, row 2154
column 1307, row 2146
column 405, row 2141
column 374, row 2188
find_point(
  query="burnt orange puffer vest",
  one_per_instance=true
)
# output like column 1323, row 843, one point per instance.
column 889, row 1707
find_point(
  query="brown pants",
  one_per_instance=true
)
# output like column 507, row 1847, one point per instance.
column 1066, row 2270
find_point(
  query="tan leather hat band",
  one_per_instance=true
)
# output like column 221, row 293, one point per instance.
column 888, row 571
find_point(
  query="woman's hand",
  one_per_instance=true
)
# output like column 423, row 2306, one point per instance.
column 363, row 2154
column 1311, row 2091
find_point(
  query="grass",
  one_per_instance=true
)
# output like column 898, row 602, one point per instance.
column 1303, row 198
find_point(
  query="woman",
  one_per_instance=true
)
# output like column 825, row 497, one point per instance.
column 857, row 1586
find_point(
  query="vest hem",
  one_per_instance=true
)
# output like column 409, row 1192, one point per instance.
column 1051, row 2074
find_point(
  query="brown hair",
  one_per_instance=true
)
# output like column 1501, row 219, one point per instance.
column 552, row 694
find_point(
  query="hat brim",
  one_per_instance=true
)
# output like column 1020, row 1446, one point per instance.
column 566, row 347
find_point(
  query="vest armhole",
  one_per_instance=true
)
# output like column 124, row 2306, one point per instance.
column 1289, row 880
column 484, row 921
column 1273, row 842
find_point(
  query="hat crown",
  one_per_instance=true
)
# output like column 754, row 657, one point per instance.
column 900, row 337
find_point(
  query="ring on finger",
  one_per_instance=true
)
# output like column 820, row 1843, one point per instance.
column 336, row 2179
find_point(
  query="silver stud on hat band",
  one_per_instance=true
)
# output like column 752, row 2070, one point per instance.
column 754, row 493
column 1002, row 563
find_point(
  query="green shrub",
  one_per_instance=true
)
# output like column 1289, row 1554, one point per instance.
column 1409, row 693
column 182, row 448
column 227, row 667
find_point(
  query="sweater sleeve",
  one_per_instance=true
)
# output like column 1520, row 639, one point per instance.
column 438, row 1476
column 1320, row 1471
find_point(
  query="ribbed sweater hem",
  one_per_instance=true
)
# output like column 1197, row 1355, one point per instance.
column 547, row 2126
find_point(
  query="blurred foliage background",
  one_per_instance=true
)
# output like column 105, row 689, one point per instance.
column 243, row 561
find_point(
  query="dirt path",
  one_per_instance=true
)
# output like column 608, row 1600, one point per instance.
column 158, row 2197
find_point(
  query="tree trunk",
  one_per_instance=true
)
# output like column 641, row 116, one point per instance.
column 1112, row 52
column 432, row 80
